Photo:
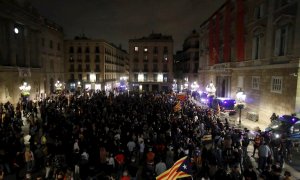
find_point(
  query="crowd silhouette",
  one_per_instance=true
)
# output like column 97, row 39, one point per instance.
column 100, row 135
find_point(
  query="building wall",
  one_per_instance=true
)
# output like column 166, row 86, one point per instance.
column 52, row 57
column 105, row 60
column 152, row 59
column 187, row 60
column 269, row 51
column 21, row 56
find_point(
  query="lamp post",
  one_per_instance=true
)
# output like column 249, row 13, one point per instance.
column 210, row 89
column 194, row 86
column 186, row 83
column 58, row 86
column 240, row 98
column 174, row 85
column 79, row 86
column 25, row 89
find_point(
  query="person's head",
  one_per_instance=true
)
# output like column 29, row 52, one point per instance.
column 287, row 174
column 262, row 177
column 250, row 167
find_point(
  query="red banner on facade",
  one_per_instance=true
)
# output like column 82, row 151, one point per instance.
column 211, row 42
column 240, row 31
column 226, row 33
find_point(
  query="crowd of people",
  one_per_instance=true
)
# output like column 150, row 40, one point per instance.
column 128, row 136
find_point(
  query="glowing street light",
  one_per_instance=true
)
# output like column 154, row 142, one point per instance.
column 240, row 98
column 210, row 89
column 58, row 86
column 25, row 89
column 194, row 86
column 174, row 85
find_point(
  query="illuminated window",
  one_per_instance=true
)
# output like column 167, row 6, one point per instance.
column 160, row 78
column 136, row 49
column 255, row 82
column 155, row 77
column 276, row 84
column 165, row 78
column 141, row 77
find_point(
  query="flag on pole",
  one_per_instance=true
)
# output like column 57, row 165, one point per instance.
column 177, row 107
column 181, row 168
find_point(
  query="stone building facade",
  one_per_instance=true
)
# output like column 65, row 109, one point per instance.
column 22, row 56
column 186, row 61
column 254, row 46
column 151, row 63
column 94, row 64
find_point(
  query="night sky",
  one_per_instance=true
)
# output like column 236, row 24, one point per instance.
column 117, row 21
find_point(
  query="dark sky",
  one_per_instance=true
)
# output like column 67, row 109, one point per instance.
column 117, row 21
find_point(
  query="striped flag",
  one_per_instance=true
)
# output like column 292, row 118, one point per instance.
column 177, row 107
column 181, row 168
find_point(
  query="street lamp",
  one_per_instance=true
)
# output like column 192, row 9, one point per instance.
column 174, row 85
column 25, row 89
column 186, row 83
column 58, row 86
column 210, row 89
column 194, row 86
column 240, row 98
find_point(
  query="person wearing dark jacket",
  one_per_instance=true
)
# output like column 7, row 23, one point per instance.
column 250, row 174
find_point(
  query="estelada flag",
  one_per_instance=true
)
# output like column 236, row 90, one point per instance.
column 177, row 107
column 181, row 168
column 181, row 97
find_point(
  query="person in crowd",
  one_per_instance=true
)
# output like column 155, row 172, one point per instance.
column 287, row 176
column 264, row 152
column 160, row 167
column 256, row 143
column 250, row 174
